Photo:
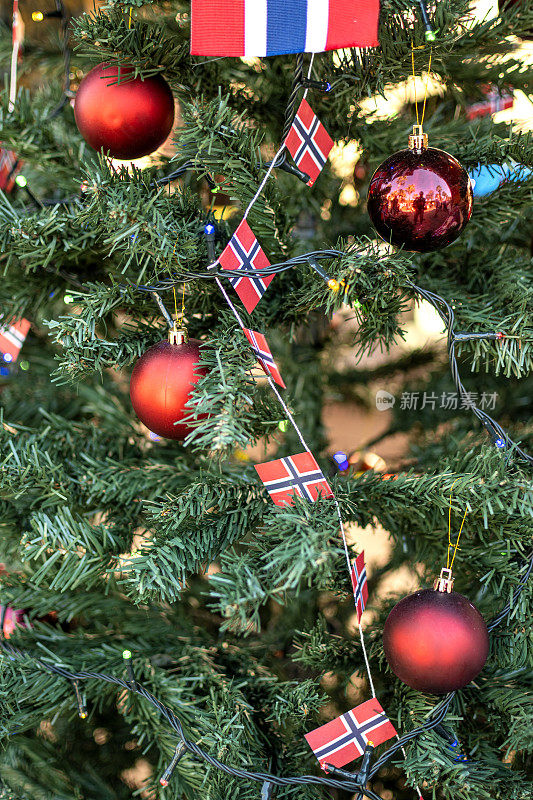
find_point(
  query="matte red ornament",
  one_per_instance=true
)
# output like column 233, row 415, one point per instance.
column 128, row 119
column 436, row 641
column 420, row 198
column 161, row 383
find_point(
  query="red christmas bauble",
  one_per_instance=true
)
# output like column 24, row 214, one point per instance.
column 128, row 119
column 435, row 641
column 420, row 198
column 161, row 383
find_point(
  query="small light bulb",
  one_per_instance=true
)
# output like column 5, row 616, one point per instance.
column 24, row 365
column 126, row 654
column 21, row 181
column 209, row 229
column 341, row 460
column 37, row 16
column 283, row 425
column 7, row 357
column 500, row 443
column 68, row 298
column 333, row 285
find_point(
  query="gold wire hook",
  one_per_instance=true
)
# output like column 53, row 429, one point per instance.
column 450, row 545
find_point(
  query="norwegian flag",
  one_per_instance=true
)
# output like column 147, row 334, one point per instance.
column 12, row 338
column 263, row 355
column 343, row 739
column 360, row 585
column 244, row 252
column 10, row 166
column 495, row 101
column 273, row 27
column 297, row 475
column 308, row 142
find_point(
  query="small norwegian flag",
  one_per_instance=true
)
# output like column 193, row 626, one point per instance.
column 297, row 475
column 495, row 101
column 12, row 338
column 244, row 252
column 308, row 142
column 10, row 166
column 263, row 355
column 343, row 739
column 360, row 585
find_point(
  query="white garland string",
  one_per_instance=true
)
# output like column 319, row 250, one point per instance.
column 306, row 448
column 14, row 55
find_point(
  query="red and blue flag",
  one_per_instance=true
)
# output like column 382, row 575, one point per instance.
column 273, row 27
column 344, row 739
column 360, row 584
column 244, row 252
column 12, row 338
column 297, row 475
column 308, row 142
column 263, row 355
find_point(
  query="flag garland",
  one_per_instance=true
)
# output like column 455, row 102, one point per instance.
column 244, row 252
column 12, row 338
column 360, row 584
column 495, row 101
column 10, row 166
column 263, row 355
column 344, row 739
column 275, row 27
column 298, row 475
column 308, row 142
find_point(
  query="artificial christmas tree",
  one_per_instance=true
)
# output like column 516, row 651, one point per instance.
column 189, row 619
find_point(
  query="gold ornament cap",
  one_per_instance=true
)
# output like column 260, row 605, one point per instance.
column 418, row 140
column 178, row 335
column 444, row 583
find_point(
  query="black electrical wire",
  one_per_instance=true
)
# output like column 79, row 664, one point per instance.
column 436, row 717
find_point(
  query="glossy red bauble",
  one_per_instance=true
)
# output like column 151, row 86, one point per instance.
column 161, row 383
column 421, row 199
column 435, row 641
column 128, row 119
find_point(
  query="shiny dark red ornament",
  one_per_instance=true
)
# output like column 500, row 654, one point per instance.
column 128, row 119
column 420, row 198
column 435, row 641
column 161, row 383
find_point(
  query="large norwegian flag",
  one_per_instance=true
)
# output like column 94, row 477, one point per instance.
column 343, row 739
column 244, row 252
column 263, row 355
column 12, row 338
column 10, row 166
column 272, row 27
column 297, row 475
column 360, row 584
column 308, row 142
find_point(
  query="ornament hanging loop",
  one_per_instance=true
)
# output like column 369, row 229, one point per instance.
column 418, row 140
column 444, row 583
column 178, row 335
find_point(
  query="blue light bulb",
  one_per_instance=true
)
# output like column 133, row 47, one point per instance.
column 209, row 229
column 7, row 357
column 341, row 460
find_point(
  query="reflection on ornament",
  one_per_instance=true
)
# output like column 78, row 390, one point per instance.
column 420, row 198
column 436, row 640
